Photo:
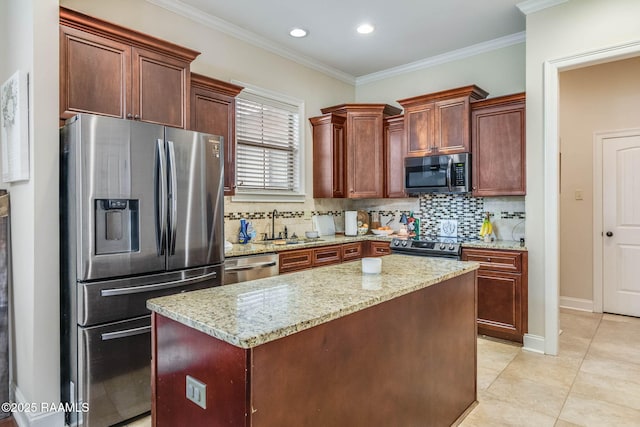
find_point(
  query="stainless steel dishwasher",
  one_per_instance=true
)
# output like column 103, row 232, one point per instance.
column 250, row 267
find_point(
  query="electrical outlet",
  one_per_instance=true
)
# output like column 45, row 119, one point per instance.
column 197, row 392
column 579, row 195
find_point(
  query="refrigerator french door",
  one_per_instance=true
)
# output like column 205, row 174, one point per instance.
column 141, row 216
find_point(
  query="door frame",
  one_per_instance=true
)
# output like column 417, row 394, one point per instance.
column 551, row 143
column 598, row 269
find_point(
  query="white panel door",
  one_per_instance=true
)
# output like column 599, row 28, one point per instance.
column 621, row 225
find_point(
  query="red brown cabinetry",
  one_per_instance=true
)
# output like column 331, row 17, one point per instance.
column 213, row 110
column 349, row 153
column 438, row 123
column 498, row 146
column 351, row 251
column 110, row 70
column 394, row 154
column 378, row 248
column 502, row 292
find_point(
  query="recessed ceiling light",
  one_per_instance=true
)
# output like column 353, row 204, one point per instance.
column 298, row 32
column 365, row 29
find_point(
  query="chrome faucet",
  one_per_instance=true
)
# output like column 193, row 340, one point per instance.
column 273, row 224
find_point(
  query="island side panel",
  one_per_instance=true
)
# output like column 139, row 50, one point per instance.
column 178, row 351
column 410, row 361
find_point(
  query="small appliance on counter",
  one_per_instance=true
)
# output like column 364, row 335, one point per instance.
column 324, row 225
column 351, row 223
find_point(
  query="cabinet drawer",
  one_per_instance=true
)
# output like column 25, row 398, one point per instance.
column 295, row 260
column 351, row 251
column 379, row 248
column 327, row 255
column 494, row 260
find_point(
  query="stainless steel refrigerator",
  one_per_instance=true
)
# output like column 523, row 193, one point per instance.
column 141, row 216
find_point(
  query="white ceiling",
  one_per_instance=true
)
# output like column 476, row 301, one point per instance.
column 406, row 30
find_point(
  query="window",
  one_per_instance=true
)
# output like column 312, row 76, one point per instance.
column 268, row 147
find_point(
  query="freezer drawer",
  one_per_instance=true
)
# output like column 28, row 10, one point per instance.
column 114, row 371
column 111, row 300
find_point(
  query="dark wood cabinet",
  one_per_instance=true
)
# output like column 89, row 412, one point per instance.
column 378, row 248
column 394, row 154
column 352, row 251
column 502, row 292
column 348, row 154
column 438, row 123
column 295, row 260
column 110, row 70
column 327, row 255
column 498, row 146
column 213, row 110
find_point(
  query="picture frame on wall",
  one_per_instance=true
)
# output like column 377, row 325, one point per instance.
column 14, row 128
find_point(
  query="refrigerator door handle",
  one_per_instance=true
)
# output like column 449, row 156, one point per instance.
column 156, row 286
column 126, row 333
column 174, row 198
column 161, row 197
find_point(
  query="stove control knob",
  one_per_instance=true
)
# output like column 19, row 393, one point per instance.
column 451, row 247
column 404, row 243
column 396, row 243
column 442, row 245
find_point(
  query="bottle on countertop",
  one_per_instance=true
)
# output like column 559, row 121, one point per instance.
column 243, row 237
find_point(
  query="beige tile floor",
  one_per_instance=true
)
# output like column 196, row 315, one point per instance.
column 594, row 380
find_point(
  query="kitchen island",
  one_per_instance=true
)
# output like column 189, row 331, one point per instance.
column 323, row 347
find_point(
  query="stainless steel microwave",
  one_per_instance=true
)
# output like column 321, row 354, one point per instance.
column 438, row 174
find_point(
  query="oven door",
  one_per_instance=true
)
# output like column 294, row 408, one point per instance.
column 114, row 371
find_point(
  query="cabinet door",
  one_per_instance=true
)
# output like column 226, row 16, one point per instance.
column 498, row 146
column 159, row 88
column 500, row 305
column 395, row 150
column 328, row 156
column 364, row 155
column 295, row 260
column 327, row 255
column 419, row 130
column 378, row 248
column 452, row 126
column 215, row 114
column 351, row 251
column 94, row 75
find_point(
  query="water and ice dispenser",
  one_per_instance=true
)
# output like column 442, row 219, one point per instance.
column 117, row 227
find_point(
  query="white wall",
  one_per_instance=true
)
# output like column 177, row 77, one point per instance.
column 599, row 98
column 30, row 43
column 572, row 28
column 499, row 72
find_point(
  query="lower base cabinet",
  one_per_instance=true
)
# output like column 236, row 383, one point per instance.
column 300, row 259
column 502, row 292
column 376, row 248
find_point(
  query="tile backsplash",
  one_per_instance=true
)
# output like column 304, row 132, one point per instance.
column 507, row 214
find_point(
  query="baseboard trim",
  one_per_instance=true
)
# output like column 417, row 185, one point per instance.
column 533, row 343
column 35, row 419
column 576, row 304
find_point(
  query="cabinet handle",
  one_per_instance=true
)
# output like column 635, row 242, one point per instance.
column 129, row 116
column 136, row 117
column 488, row 259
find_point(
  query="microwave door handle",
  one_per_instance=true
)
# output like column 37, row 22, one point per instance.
column 161, row 197
column 449, row 166
column 173, row 221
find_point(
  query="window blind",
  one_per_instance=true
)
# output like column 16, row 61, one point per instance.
column 267, row 145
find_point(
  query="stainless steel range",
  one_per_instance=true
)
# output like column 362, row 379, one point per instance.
column 442, row 247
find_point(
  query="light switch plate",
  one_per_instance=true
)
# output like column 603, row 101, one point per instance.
column 197, row 392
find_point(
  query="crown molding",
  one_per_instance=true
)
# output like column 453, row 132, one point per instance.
column 531, row 6
column 180, row 8
column 454, row 55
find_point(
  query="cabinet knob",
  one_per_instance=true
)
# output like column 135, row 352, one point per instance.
column 488, row 259
column 129, row 116
column 136, row 117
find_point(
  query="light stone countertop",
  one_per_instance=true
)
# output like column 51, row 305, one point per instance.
column 252, row 313
column 258, row 248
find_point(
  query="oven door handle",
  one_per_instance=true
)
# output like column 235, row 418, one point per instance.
column 126, row 333
column 449, row 166
column 156, row 286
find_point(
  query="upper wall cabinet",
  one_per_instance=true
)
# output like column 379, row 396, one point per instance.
column 110, row 70
column 348, row 150
column 213, row 110
column 498, row 146
column 394, row 154
column 438, row 123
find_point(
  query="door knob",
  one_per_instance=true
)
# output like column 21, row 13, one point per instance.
column 609, row 234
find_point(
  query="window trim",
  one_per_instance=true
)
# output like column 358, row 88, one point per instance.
column 274, row 195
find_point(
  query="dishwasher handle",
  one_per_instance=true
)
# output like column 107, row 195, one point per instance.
column 250, row 267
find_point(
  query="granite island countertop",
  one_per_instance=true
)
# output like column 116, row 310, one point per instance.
column 259, row 247
column 253, row 313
